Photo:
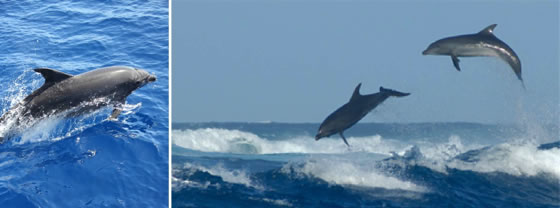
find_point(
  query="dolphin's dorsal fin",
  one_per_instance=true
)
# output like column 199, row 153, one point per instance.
column 356, row 93
column 51, row 75
column 488, row 30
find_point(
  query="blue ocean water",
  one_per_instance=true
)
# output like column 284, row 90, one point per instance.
column 87, row 161
column 386, row 165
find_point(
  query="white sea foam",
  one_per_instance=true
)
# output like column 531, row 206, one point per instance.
column 50, row 128
column 230, row 176
column 349, row 172
column 178, row 184
column 54, row 127
column 514, row 159
column 436, row 156
column 235, row 141
column 519, row 159
column 16, row 91
column 445, row 151
column 275, row 202
column 40, row 131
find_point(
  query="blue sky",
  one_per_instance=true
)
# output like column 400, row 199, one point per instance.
column 298, row 61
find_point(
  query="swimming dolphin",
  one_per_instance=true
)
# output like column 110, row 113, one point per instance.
column 483, row 43
column 353, row 111
column 81, row 93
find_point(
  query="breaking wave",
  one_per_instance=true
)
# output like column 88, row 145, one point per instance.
column 511, row 158
column 235, row 141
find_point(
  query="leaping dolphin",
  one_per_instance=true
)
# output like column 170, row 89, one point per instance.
column 353, row 111
column 483, row 43
column 81, row 93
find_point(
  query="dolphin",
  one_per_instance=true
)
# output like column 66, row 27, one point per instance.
column 78, row 94
column 353, row 111
column 483, row 43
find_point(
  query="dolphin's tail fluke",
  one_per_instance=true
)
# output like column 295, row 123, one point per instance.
column 393, row 92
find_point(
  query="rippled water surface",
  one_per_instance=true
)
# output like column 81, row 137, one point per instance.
column 86, row 161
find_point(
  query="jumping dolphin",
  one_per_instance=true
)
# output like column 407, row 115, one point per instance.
column 483, row 43
column 81, row 93
column 353, row 111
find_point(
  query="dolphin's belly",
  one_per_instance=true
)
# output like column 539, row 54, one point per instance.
column 475, row 50
column 342, row 119
column 77, row 106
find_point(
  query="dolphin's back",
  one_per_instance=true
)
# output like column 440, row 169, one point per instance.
column 342, row 119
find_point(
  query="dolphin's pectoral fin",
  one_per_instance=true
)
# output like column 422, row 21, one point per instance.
column 456, row 62
column 51, row 75
column 343, row 138
column 118, row 106
column 115, row 114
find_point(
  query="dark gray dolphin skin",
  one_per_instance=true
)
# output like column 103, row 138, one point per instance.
column 61, row 92
column 483, row 43
column 353, row 111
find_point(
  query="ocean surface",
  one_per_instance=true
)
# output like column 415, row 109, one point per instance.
column 386, row 165
column 87, row 161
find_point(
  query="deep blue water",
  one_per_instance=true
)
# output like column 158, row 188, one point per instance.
column 87, row 161
column 387, row 165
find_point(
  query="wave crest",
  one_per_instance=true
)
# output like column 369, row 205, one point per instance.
column 514, row 159
column 349, row 172
column 519, row 159
column 235, row 141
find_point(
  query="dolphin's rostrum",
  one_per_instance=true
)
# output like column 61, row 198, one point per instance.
column 353, row 111
column 81, row 93
column 483, row 43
